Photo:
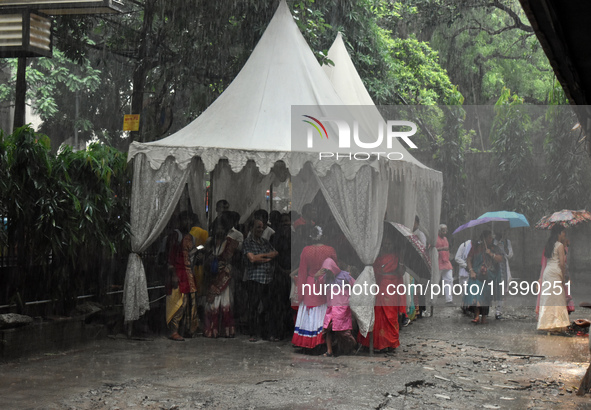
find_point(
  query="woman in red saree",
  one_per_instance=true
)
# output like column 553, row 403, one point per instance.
column 388, row 271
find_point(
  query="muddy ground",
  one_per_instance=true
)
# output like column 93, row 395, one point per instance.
column 444, row 362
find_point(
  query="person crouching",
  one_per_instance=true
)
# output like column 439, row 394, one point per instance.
column 337, row 321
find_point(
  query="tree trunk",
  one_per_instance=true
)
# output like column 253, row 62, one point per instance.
column 141, row 70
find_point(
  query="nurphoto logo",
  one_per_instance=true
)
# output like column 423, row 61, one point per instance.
column 343, row 133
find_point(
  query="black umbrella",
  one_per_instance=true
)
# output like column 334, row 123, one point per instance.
column 415, row 253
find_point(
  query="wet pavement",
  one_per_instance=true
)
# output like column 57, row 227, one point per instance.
column 444, row 361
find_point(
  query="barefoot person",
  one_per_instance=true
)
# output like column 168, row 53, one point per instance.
column 337, row 321
column 483, row 266
column 312, row 307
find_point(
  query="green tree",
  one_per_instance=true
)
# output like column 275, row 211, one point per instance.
column 67, row 214
column 394, row 70
column 485, row 46
column 169, row 57
column 169, row 60
column 516, row 186
column 449, row 156
column 567, row 173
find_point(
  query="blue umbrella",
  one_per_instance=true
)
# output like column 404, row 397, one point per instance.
column 516, row 220
column 479, row 221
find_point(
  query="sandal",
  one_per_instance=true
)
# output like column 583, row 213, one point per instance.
column 176, row 337
column 328, row 355
column 253, row 339
column 475, row 321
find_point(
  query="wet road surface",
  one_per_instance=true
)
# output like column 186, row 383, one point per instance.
column 444, row 361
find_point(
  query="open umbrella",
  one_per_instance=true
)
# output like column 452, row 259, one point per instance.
column 479, row 221
column 566, row 218
column 516, row 220
column 415, row 253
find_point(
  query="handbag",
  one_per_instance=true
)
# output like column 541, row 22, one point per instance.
column 483, row 272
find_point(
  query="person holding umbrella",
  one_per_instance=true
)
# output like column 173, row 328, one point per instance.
column 504, row 244
column 553, row 315
column 386, row 330
column 483, row 266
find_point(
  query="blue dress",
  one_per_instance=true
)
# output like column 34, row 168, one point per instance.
column 479, row 288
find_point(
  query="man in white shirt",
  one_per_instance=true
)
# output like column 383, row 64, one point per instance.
column 418, row 232
column 263, row 215
column 505, row 245
column 461, row 259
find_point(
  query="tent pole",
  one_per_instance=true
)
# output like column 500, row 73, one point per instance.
column 210, row 200
column 271, row 198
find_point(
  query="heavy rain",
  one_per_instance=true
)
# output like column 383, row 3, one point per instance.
column 293, row 204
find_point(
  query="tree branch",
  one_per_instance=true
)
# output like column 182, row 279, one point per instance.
column 417, row 119
column 518, row 23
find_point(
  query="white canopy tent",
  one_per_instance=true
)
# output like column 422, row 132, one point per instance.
column 245, row 137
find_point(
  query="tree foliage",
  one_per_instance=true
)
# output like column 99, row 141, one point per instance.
column 485, row 46
column 568, row 175
column 169, row 60
column 514, row 183
column 66, row 213
column 452, row 143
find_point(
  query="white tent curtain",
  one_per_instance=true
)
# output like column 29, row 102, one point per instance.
column 402, row 201
column 412, row 194
column 359, row 205
column 245, row 190
column 429, row 211
column 304, row 188
column 154, row 196
column 196, row 188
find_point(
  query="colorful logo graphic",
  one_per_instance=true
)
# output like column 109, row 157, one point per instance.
column 316, row 126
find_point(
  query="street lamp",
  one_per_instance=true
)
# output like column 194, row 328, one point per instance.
column 26, row 32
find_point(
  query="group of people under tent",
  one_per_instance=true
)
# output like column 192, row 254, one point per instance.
column 484, row 267
column 251, row 278
column 222, row 278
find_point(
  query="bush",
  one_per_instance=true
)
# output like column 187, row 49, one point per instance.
column 66, row 215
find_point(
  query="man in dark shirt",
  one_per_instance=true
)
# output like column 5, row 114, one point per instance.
column 259, row 268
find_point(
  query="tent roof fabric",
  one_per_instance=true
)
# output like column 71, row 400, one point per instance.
column 344, row 76
column 251, row 119
column 349, row 86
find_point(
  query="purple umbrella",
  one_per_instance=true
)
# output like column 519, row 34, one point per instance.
column 477, row 222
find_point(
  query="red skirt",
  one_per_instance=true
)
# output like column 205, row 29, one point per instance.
column 385, row 329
